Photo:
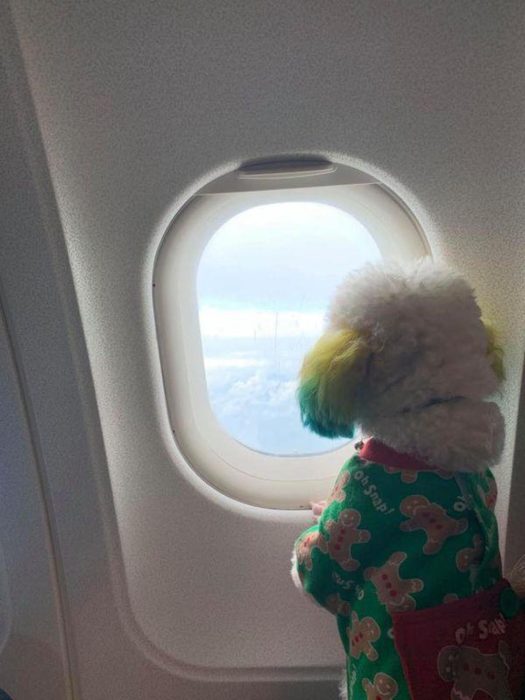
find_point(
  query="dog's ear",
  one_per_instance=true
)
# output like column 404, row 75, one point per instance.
column 330, row 383
column 494, row 350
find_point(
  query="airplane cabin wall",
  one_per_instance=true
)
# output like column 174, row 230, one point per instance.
column 170, row 589
column 33, row 645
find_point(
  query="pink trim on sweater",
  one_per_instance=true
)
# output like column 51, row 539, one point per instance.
column 375, row 451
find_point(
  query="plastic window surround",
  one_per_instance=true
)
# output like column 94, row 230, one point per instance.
column 270, row 481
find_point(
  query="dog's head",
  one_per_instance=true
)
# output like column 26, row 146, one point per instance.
column 397, row 341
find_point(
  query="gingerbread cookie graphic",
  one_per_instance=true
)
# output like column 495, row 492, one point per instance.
column 408, row 476
column 471, row 671
column 444, row 474
column 305, row 547
column 361, row 634
column 337, row 606
column 338, row 492
column 470, row 556
column 450, row 598
column 392, row 590
column 384, row 687
column 491, row 495
column 433, row 519
column 343, row 533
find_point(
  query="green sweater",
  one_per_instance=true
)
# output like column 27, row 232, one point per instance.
column 393, row 540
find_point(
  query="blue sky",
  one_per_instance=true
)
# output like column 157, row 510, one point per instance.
column 264, row 283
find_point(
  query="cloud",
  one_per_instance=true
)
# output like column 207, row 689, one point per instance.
column 211, row 363
column 254, row 323
column 284, row 256
column 256, row 404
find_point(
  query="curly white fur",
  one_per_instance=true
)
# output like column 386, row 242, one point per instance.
column 428, row 343
column 343, row 694
column 294, row 572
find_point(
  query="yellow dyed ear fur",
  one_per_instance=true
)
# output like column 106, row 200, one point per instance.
column 494, row 350
column 330, row 381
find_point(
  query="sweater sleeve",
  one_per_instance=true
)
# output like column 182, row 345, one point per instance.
column 328, row 556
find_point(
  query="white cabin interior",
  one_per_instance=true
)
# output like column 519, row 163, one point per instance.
column 124, row 571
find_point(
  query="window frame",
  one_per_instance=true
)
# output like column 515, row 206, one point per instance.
column 255, row 478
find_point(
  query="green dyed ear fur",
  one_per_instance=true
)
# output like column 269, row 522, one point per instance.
column 330, row 379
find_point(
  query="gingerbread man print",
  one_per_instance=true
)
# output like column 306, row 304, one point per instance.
column 450, row 598
column 491, row 495
column 444, row 474
column 433, row 519
column 337, row 606
column 343, row 533
column 338, row 492
column 306, row 546
column 408, row 476
column 470, row 556
column 361, row 634
column 384, row 687
column 471, row 671
column 392, row 590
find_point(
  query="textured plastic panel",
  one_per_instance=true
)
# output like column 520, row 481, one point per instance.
column 33, row 662
column 139, row 107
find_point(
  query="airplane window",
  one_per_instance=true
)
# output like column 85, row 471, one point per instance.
column 240, row 287
column 264, row 282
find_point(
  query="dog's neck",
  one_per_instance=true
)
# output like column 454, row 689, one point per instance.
column 459, row 435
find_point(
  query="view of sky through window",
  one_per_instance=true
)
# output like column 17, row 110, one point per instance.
column 264, row 283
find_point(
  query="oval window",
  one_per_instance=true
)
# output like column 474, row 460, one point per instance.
column 241, row 286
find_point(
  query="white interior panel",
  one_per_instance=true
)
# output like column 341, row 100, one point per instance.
column 32, row 653
column 33, row 658
column 166, row 582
